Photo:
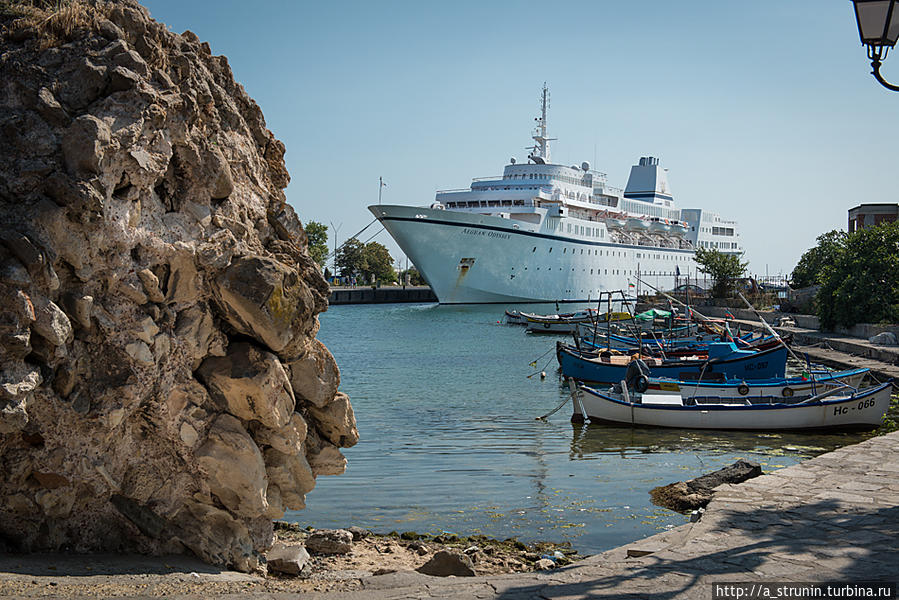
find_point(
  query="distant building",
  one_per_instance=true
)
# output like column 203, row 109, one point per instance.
column 869, row 215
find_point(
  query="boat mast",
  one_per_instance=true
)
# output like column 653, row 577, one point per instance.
column 540, row 151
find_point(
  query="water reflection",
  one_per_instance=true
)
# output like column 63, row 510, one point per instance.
column 589, row 440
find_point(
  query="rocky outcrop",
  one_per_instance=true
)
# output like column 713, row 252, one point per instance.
column 161, row 387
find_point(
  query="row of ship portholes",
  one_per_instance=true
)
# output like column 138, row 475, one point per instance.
column 622, row 254
column 614, row 272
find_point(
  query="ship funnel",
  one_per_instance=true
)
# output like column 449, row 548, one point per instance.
column 649, row 182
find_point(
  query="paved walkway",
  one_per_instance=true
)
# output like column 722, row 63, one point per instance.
column 831, row 518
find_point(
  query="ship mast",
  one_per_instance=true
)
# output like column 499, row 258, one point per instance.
column 540, row 151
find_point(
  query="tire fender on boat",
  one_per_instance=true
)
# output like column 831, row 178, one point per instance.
column 743, row 389
column 787, row 392
column 642, row 384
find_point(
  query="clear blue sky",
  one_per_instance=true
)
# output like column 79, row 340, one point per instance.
column 763, row 111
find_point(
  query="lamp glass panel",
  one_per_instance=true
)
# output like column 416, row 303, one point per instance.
column 893, row 31
column 872, row 16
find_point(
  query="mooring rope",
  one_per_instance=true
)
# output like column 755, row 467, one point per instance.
column 533, row 363
column 544, row 366
column 553, row 411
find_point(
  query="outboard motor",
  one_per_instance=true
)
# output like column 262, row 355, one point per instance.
column 637, row 376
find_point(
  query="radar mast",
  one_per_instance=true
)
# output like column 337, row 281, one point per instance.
column 540, row 151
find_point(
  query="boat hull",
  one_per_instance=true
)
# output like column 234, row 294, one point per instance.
column 766, row 364
column 864, row 410
column 470, row 258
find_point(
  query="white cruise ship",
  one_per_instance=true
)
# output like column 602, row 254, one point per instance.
column 545, row 232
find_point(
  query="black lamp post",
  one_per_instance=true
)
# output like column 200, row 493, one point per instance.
column 878, row 27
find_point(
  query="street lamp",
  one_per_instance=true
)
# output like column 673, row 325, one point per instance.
column 878, row 27
column 336, row 231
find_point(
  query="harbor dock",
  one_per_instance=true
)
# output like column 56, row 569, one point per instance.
column 380, row 295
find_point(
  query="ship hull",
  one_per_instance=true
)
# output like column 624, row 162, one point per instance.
column 470, row 258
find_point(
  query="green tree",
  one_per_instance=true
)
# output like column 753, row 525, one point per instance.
column 317, row 234
column 811, row 265
column 350, row 259
column 861, row 283
column 378, row 263
column 415, row 277
column 724, row 269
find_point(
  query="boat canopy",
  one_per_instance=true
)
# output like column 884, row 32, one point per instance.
column 652, row 314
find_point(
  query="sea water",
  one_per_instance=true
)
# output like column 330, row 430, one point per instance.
column 446, row 401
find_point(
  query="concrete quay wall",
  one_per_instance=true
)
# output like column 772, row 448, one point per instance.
column 381, row 295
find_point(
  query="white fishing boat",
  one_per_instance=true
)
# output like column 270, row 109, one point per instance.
column 837, row 408
column 544, row 232
column 563, row 324
column 514, row 317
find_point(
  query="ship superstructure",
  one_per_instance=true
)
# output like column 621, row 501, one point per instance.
column 545, row 232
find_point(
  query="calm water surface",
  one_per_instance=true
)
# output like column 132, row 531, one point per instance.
column 450, row 441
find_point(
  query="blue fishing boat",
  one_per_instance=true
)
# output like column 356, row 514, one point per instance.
column 723, row 359
column 601, row 340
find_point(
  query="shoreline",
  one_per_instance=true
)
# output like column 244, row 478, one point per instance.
column 829, row 518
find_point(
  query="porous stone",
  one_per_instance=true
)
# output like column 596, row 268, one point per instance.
column 151, row 285
column 448, row 562
column 329, row 541
column 15, row 324
column 251, row 383
column 50, row 321
column 287, row 439
column 84, row 143
column 145, row 245
column 290, row 560
column 336, row 421
column 315, row 375
column 265, row 299
column 234, row 466
column 293, row 476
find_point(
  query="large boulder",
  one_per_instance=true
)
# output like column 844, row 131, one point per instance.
column 292, row 475
column 155, row 288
